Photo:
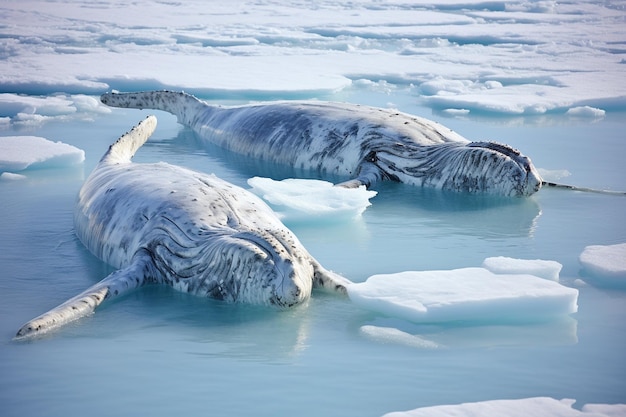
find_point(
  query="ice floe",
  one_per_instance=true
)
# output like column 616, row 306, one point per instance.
column 18, row 153
column 525, row 407
column 310, row 200
column 538, row 267
column 605, row 264
column 514, row 57
column 469, row 295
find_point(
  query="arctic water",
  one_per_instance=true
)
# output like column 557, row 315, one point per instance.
column 160, row 352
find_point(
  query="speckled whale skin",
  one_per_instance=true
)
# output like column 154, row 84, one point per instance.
column 361, row 143
column 163, row 224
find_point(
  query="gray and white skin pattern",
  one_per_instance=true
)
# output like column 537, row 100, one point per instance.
column 360, row 143
column 164, row 224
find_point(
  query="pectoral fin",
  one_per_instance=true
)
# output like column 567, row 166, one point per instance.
column 85, row 303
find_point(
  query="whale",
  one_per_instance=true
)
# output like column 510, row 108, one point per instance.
column 158, row 223
column 361, row 145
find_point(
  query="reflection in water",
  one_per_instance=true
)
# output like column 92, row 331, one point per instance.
column 458, row 213
column 213, row 328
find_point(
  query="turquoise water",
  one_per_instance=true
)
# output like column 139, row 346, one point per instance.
column 159, row 352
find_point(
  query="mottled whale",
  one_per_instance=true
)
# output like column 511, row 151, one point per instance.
column 164, row 224
column 360, row 143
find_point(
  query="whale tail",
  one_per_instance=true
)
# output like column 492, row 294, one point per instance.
column 125, row 147
column 117, row 283
column 182, row 105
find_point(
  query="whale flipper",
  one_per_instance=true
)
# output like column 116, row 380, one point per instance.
column 184, row 106
column 123, row 149
column 118, row 282
column 115, row 284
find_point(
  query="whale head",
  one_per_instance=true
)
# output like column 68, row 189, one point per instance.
column 251, row 267
column 474, row 167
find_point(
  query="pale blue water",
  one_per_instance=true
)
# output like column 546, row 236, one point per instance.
column 161, row 353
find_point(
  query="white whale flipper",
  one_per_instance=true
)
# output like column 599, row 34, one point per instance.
column 117, row 283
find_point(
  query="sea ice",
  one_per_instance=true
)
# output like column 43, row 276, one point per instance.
column 605, row 264
column 513, row 58
column 586, row 111
column 397, row 336
column 464, row 295
column 302, row 199
column 560, row 331
column 537, row 267
column 26, row 110
column 18, row 153
column 536, row 407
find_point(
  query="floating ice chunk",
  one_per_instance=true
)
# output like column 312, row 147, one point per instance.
column 537, row 267
column 9, row 176
column 33, row 111
column 300, row 199
column 18, row 153
column 464, row 295
column 585, row 111
column 456, row 112
column 607, row 264
column 536, row 407
column 396, row 336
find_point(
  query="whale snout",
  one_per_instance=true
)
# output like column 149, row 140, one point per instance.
column 474, row 167
column 516, row 171
column 272, row 275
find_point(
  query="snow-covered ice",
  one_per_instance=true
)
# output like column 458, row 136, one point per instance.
column 513, row 57
column 18, row 153
column 537, row 267
column 525, row 407
column 310, row 200
column 605, row 264
column 472, row 295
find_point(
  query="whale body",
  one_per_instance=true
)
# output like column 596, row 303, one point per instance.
column 164, row 224
column 359, row 143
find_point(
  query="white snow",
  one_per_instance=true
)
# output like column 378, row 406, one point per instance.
column 525, row 407
column 514, row 57
column 24, row 110
column 605, row 264
column 538, row 267
column 470, row 295
column 307, row 200
column 18, row 153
